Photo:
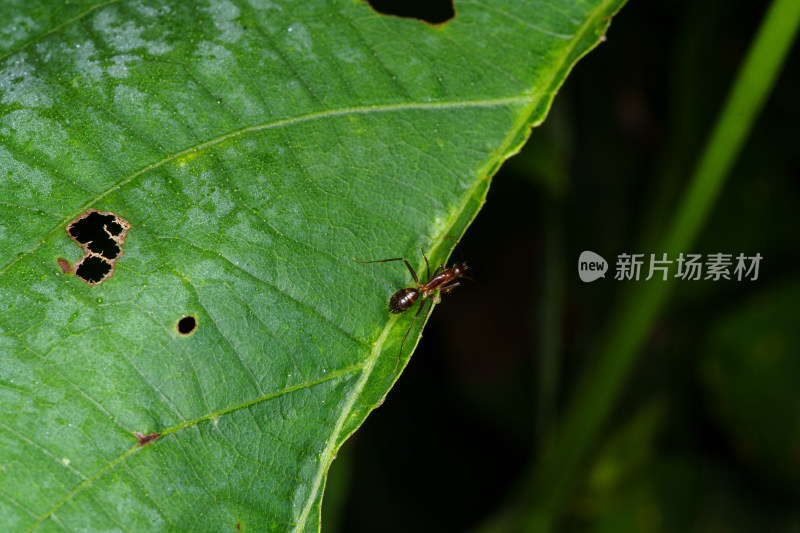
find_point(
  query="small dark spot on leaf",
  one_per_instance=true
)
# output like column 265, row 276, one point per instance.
column 431, row 11
column 144, row 440
column 93, row 269
column 187, row 325
column 100, row 235
column 66, row 268
column 238, row 526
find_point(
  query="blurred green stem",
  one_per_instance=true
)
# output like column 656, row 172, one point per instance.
column 555, row 473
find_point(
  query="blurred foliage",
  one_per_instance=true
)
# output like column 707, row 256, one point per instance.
column 707, row 435
column 750, row 371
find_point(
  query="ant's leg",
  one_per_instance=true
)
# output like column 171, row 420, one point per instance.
column 427, row 266
column 440, row 268
column 403, row 259
column 448, row 288
column 400, row 355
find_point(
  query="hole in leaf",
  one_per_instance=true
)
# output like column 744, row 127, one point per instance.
column 187, row 325
column 93, row 269
column 431, row 11
column 100, row 235
column 144, row 440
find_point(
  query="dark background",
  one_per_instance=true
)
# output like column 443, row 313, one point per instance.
column 706, row 436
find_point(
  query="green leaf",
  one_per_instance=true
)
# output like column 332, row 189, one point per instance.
column 255, row 149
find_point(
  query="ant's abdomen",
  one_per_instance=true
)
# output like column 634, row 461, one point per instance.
column 402, row 300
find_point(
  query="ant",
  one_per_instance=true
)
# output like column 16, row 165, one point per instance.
column 442, row 281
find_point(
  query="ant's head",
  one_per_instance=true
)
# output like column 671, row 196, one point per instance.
column 459, row 269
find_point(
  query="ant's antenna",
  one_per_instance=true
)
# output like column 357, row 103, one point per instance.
column 458, row 246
